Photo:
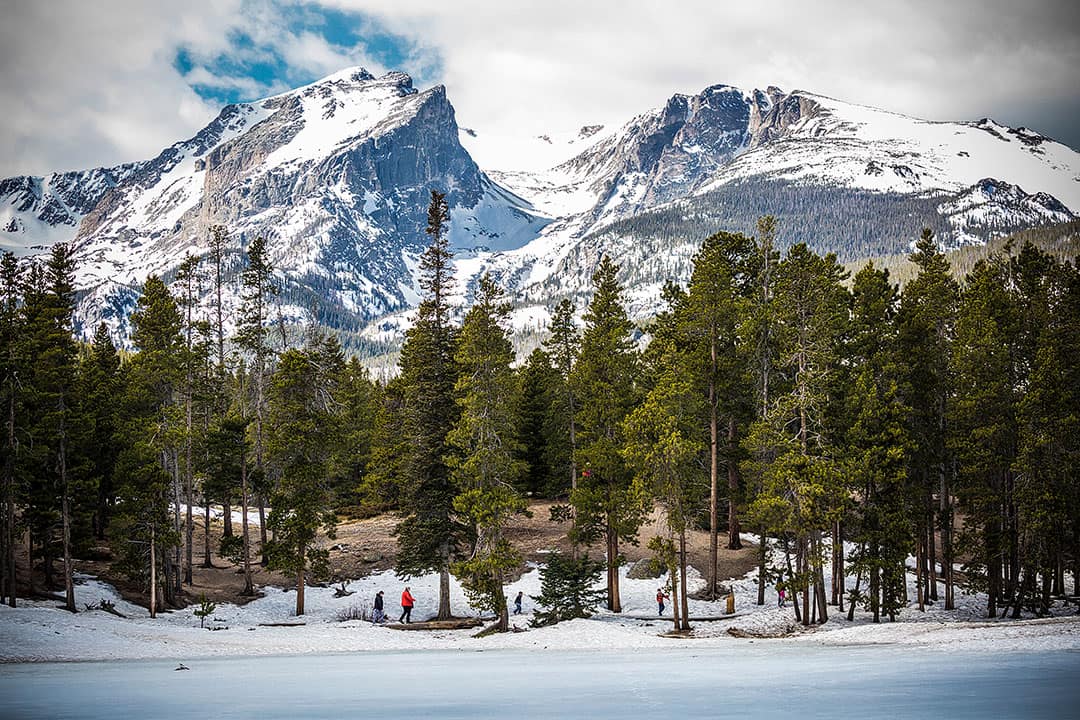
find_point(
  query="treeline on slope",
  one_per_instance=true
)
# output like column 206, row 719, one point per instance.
column 849, row 222
column 938, row 422
column 1060, row 241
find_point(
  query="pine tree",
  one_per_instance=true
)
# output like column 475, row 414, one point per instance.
column 303, row 417
column 716, row 302
column 100, row 387
column 663, row 447
column 877, row 447
column 11, row 367
column 544, row 446
column 148, row 437
column 925, row 325
column 758, row 326
column 56, row 401
column 563, row 345
column 801, row 489
column 187, row 277
column 351, row 460
column 605, row 505
column 252, row 337
column 485, row 465
column 428, row 534
column 982, row 423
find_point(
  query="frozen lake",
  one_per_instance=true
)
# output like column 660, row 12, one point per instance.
column 764, row 679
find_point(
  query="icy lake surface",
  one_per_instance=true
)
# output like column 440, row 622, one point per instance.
column 766, row 680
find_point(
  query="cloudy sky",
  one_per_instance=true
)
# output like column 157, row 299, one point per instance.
column 98, row 83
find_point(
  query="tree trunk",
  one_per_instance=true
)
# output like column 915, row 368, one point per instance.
column 945, row 503
column 153, row 573
column 920, row 542
column 931, row 546
column 714, row 491
column 762, row 557
column 206, row 534
column 791, row 578
column 839, row 572
column 262, row 530
column 69, row 584
column 176, row 587
column 249, row 588
column 614, row 601
column 300, row 590
column 573, row 468
column 8, row 559
column 444, row 585
column 803, row 573
column 682, row 580
column 734, row 541
column 819, row 580
column 676, row 609
column 189, row 491
column 226, row 515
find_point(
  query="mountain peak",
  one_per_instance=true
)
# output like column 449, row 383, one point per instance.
column 351, row 79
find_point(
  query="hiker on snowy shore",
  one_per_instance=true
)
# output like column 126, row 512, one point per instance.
column 781, row 594
column 660, row 597
column 517, row 602
column 407, row 602
column 377, row 615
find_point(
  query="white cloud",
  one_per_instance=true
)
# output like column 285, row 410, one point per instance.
column 86, row 84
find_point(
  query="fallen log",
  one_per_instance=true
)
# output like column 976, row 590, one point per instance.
column 453, row 624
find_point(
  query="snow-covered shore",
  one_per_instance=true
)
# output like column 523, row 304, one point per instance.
column 39, row 631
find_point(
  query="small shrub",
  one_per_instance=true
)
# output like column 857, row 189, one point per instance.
column 355, row 612
column 205, row 609
column 567, row 589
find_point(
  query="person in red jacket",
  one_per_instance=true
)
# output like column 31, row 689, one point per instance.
column 407, row 602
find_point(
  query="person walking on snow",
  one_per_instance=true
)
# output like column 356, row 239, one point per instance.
column 517, row 602
column 781, row 594
column 377, row 615
column 407, row 602
column 660, row 597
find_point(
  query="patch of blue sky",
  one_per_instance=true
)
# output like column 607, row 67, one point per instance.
column 256, row 63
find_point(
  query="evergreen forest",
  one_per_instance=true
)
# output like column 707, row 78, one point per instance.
column 862, row 428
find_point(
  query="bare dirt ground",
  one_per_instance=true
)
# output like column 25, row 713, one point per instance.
column 362, row 547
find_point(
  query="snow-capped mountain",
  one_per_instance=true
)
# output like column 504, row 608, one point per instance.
column 845, row 178
column 336, row 176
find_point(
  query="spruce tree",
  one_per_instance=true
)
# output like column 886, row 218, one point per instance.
column 663, row 447
column 604, row 379
column 567, row 589
column 717, row 300
column 801, row 490
column 149, row 434
column 100, row 382
column 11, row 367
column 56, row 402
column 252, row 336
column 925, row 324
column 304, row 420
column 877, row 447
column 428, row 534
column 544, row 447
column 485, row 464
column 982, row 422
column 563, row 345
